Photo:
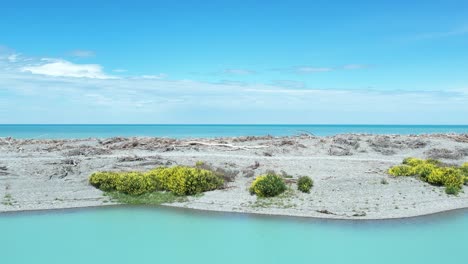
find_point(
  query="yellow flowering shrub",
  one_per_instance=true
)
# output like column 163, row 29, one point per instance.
column 401, row 170
column 424, row 170
column 268, row 185
column 106, row 181
column 436, row 177
column 464, row 171
column 413, row 161
column 135, row 183
column 432, row 171
column 178, row 180
column 188, row 181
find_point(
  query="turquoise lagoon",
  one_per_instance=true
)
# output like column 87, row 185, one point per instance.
column 164, row 235
column 187, row 131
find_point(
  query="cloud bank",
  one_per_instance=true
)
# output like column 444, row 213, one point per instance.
column 59, row 91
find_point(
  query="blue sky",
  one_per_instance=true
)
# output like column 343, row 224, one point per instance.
column 365, row 62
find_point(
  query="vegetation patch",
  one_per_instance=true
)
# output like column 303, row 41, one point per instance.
column 434, row 172
column 304, row 184
column 283, row 200
column 8, row 200
column 157, row 186
column 268, row 185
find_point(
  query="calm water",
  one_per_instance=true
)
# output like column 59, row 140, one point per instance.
column 159, row 235
column 184, row 131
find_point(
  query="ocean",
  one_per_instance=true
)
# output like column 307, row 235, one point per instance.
column 195, row 131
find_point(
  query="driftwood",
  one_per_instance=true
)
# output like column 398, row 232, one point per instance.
column 193, row 143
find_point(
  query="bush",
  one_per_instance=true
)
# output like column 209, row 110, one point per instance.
column 424, row 169
column 304, row 184
column 436, row 177
column 105, row 181
column 135, row 183
column 452, row 190
column 446, row 177
column 413, row 161
column 189, row 181
column 401, row 170
column 268, row 185
column 432, row 171
column 178, row 180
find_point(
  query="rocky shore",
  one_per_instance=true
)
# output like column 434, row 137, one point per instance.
column 349, row 172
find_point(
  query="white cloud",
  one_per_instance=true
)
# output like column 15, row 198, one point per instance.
column 101, row 98
column 82, row 53
column 239, row 71
column 313, row 69
column 13, row 57
column 63, row 68
column 159, row 76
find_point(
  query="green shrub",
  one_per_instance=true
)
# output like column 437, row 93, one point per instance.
column 304, row 184
column 401, row 170
column 268, row 185
column 452, row 190
column 105, row 181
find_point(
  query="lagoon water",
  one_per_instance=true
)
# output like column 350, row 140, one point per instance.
column 187, row 131
column 163, row 235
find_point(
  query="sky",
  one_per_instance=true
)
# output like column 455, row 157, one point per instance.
column 241, row 62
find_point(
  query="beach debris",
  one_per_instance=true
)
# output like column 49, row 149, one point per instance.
column 227, row 174
column 336, row 150
column 248, row 173
column 325, row 211
column 130, row 159
column 359, row 214
column 192, row 143
column 112, row 140
column 387, row 145
column 251, row 138
column 254, row 166
column 84, row 150
column 71, row 162
column 351, row 140
column 442, row 153
column 61, row 172
column 3, row 170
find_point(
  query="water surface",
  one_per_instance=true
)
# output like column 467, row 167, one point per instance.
column 160, row 235
column 186, row 131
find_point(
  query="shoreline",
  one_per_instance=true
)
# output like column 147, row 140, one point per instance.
column 226, row 213
column 347, row 169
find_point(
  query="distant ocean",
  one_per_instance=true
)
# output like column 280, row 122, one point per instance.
column 193, row 131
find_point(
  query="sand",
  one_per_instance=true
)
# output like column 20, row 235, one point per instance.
column 349, row 172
